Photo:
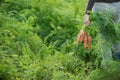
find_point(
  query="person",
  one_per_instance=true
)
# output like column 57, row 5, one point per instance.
column 99, row 6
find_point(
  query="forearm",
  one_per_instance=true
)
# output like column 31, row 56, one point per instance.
column 89, row 6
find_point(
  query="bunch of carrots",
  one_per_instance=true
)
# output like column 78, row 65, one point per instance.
column 83, row 36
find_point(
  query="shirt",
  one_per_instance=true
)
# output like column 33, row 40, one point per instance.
column 91, row 3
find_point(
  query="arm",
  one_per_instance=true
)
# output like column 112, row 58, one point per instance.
column 82, row 34
column 89, row 8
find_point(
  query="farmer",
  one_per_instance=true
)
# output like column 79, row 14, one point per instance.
column 99, row 6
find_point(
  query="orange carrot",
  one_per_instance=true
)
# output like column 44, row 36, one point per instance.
column 85, row 41
column 89, row 42
column 80, row 37
column 83, row 34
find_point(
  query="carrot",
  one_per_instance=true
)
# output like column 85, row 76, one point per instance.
column 85, row 41
column 82, row 32
column 83, row 36
column 80, row 37
column 89, row 38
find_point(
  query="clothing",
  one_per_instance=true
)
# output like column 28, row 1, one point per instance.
column 115, row 9
column 92, row 2
column 112, row 7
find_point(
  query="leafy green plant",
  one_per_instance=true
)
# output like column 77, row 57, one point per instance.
column 106, row 26
column 38, row 42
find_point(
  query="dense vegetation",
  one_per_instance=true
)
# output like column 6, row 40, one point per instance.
column 38, row 42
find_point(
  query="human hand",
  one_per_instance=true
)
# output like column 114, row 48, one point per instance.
column 86, row 20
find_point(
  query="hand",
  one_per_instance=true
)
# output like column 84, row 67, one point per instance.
column 86, row 20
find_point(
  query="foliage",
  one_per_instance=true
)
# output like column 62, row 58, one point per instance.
column 106, row 26
column 110, row 73
column 38, row 42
